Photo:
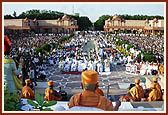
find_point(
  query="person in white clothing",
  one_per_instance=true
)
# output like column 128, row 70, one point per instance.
column 51, row 62
column 99, row 67
column 107, row 67
column 95, row 65
column 74, row 66
column 80, row 66
column 90, row 65
column 128, row 67
column 155, row 69
column 143, row 69
column 133, row 68
column 61, row 65
column 149, row 69
column 66, row 67
column 129, row 59
column 83, row 66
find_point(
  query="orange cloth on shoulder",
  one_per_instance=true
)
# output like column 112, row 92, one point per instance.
column 27, row 93
column 90, row 99
column 51, row 95
column 99, row 91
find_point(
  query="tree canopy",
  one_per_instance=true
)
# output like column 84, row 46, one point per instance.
column 101, row 21
column 139, row 17
column 83, row 22
column 98, row 25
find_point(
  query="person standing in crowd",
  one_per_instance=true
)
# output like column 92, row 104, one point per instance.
column 24, row 73
column 51, row 94
column 88, row 97
column 137, row 91
column 154, row 94
column 32, row 75
column 11, row 82
column 27, row 91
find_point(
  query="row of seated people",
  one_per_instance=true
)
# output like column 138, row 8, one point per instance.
column 154, row 93
column 145, row 69
column 92, row 96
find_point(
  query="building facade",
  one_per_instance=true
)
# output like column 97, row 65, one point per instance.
column 148, row 27
column 61, row 25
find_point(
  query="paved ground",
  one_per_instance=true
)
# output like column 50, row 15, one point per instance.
column 117, row 79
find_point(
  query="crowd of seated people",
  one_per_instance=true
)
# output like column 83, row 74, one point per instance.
column 145, row 68
column 151, row 44
column 138, row 94
column 93, row 96
column 33, row 66
column 21, row 49
column 94, row 59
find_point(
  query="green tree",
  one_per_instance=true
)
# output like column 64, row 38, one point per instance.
column 8, row 16
column 99, row 24
column 84, row 23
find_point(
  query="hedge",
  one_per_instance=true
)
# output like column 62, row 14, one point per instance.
column 65, row 39
column 119, row 48
column 129, row 46
column 127, row 54
column 148, row 57
column 47, row 47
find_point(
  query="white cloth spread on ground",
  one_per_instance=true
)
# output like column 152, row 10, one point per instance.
column 63, row 106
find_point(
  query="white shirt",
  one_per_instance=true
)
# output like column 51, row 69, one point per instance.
column 155, row 67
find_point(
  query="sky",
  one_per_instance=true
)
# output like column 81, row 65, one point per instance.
column 92, row 10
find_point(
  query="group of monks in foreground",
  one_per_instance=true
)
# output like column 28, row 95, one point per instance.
column 92, row 96
column 154, row 93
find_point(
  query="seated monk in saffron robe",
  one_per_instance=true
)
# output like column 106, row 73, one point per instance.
column 154, row 94
column 158, row 87
column 88, row 97
column 137, row 91
column 27, row 91
column 51, row 94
